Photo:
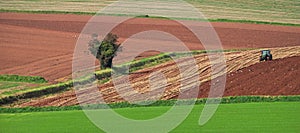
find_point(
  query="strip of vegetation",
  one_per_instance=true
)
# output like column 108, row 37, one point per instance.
column 225, row 100
column 155, row 17
column 6, row 85
column 18, row 78
column 47, row 12
column 222, row 20
column 37, row 92
column 253, row 22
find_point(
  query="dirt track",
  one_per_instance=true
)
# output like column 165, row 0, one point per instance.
column 239, row 66
column 36, row 44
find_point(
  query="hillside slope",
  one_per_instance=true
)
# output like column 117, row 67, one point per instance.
column 237, row 62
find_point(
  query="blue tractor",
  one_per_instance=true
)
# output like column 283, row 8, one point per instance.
column 266, row 55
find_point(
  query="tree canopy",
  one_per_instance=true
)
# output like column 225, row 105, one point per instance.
column 104, row 51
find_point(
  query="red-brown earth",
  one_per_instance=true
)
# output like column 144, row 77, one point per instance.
column 43, row 44
column 271, row 78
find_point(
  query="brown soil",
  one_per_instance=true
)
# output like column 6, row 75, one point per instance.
column 271, row 78
column 239, row 65
column 43, row 44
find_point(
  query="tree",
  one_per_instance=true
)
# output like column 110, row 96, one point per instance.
column 104, row 51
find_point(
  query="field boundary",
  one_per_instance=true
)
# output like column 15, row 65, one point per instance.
column 225, row 100
column 153, row 17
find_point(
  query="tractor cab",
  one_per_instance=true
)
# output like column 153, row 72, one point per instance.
column 266, row 55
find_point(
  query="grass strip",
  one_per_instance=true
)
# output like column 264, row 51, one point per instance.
column 253, row 22
column 225, row 100
column 47, row 12
column 7, row 85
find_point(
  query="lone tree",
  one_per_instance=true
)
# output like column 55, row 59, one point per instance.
column 104, row 51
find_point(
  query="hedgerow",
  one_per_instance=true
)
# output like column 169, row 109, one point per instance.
column 18, row 78
column 40, row 91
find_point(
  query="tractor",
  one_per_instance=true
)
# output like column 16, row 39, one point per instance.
column 266, row 55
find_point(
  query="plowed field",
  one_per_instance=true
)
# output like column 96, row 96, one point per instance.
column 43, row 44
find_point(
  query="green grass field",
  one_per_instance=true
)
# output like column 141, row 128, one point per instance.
column 284, row 11
column 246, row 117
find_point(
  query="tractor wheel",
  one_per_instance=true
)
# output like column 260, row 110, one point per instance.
column 261, row 58
column 271, row 57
